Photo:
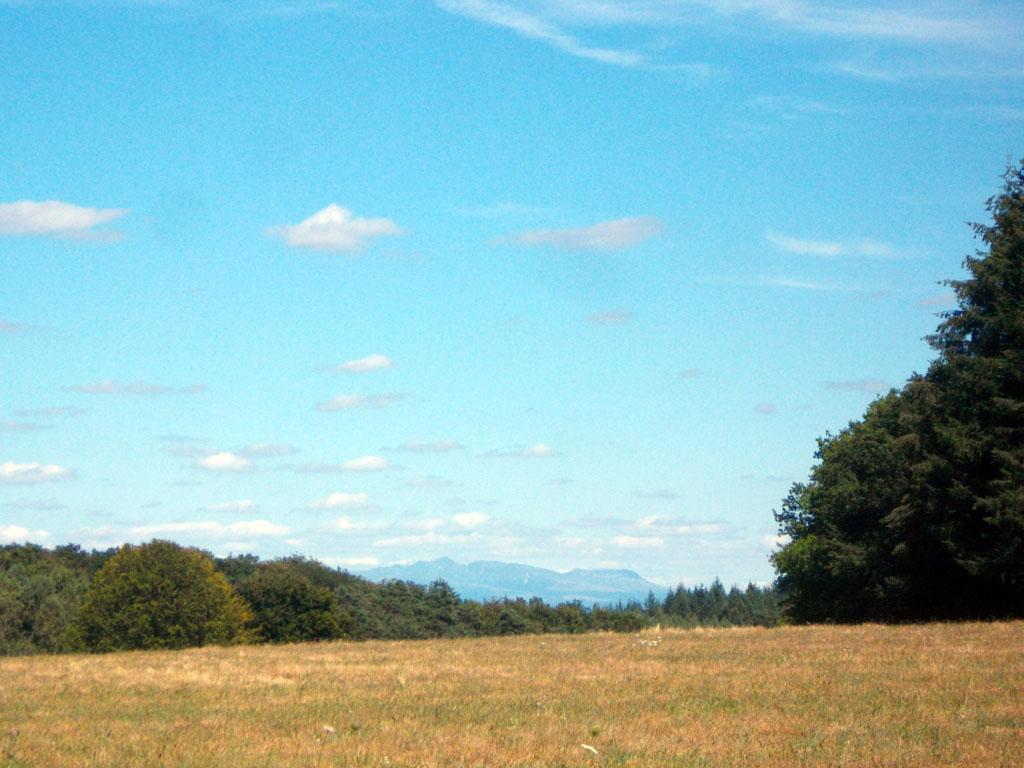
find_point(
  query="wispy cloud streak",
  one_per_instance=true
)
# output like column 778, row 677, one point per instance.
column 614, row 235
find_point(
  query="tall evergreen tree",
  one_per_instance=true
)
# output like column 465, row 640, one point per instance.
column 917, row 511
column 979, row 378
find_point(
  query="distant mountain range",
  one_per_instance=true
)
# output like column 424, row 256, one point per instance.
column 489, row 579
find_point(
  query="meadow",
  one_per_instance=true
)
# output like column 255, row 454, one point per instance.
column 940, row 694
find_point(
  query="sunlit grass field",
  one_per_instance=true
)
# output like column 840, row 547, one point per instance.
column 944, row 694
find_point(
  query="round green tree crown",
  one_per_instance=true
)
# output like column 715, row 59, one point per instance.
column 161, row 595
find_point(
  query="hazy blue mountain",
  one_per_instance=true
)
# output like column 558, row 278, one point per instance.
column 490, row 579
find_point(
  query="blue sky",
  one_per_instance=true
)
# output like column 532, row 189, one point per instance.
column 575, row 284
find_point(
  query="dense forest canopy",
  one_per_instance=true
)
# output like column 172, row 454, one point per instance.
column 916, row 511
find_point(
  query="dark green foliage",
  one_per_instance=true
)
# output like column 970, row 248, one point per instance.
column 840, row 560
column 714, row 607
column 512, row 620
column 160, row 595
column 916, row 512
column 442, row 606
column 237, row 567
column 287, row 607
column 40, row 591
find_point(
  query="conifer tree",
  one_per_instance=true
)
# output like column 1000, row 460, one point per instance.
column 917, row 511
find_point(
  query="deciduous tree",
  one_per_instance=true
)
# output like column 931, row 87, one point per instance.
column 161, row 595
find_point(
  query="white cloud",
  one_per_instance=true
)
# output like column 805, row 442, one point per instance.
column 565, row 24
column 419, row 540
column 437, row 446
column 604, row 236
column 859, row 385
column 907, row 70
column 374, row 362
column 35, row 505
column 489, row 546
column 213, row 528
column 352, row 562
column 225, row 461
column 657, row 494
column 113, row 387
column 427, row 524
column 257, row 528
column 774, row 541
column 869, row 247
column 509, row 16
column 31, row 473
column 766, row 408
column 9, row 326
column 17, row 534
column 347, row 524
column 469, row 519
column 456, row 538
column 184, row 450
column 639, row 542
column 667, row 524
column 340, row 499
column 832, row 248
column 538, row 451
column 808, row 285
column 263, row 450
column 334, row 229
column 572, row 542
column 700, row 529
column 610, row 317
column 57, row 412
column 238, row 505
column 877, row 23
column 838, row 19
column 20, row 426
column 366, row 464
column 401, row 541
column 348, row 402
column 52, row 217
column 804, row 247
column 342, row 402
column 869, row 71
column 428, row 481
column 157, row 529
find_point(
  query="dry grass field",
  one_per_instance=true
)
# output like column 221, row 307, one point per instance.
column 857, row 696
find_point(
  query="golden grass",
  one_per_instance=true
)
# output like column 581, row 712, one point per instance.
column 854, row 696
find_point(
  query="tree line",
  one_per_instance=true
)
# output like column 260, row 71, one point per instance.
column 162, row 595
column 916, row 511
